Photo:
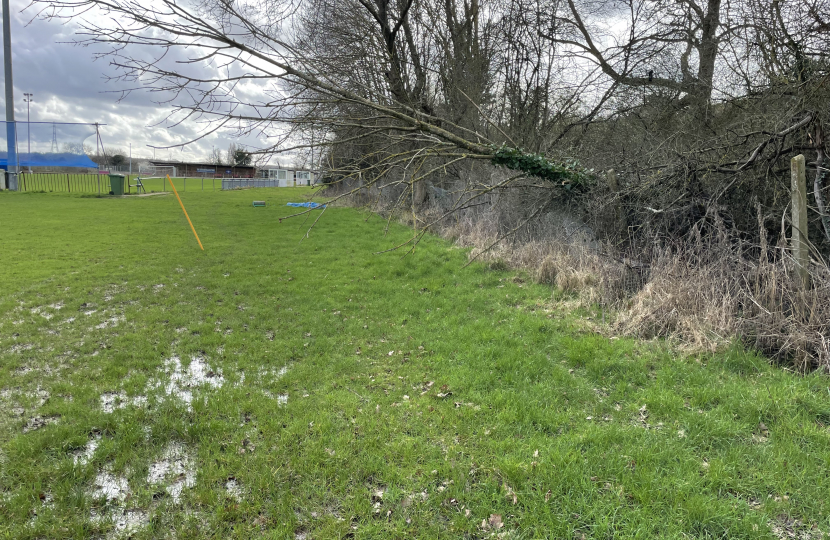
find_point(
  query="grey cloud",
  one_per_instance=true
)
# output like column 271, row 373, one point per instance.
column 69, row 85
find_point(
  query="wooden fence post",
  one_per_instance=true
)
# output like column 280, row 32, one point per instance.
column 800, row 248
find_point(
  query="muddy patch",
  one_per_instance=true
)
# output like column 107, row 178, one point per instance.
column 785, row 527
column 37, row 422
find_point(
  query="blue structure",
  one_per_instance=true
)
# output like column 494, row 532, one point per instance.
column 53, row 144
column 35, row 159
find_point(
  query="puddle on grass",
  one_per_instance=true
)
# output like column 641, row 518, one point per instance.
column 113, row 488
column 20, row 347
column 175, row 470
column 274, row 375
column 40, row 310
column 281, row 399
column 82, row 457
column 116, row 490
column 182, row 381
column 112, row 322
column 47, row 503
column 125, row 521
column 41, row 395
column 110, row 401
column 128, row 521
column 233, row 489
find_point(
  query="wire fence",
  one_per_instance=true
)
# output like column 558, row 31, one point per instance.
column 240, row 183
column 100, row 183
column 64, row 182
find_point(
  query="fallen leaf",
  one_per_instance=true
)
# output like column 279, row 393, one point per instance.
column 547, row 496
column 510, row 493
column 495, row 521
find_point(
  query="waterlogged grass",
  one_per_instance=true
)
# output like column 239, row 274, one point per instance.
column 274, row 388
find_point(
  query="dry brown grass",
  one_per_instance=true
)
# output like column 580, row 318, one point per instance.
column 710, row 291
column 704, row 293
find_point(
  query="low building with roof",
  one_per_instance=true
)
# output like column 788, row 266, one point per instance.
column 288, row 177
column 207, row 170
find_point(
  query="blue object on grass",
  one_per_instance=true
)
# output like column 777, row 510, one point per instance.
column 35, row 159
column 306, row 204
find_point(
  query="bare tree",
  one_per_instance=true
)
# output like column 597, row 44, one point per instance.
column 216, row 157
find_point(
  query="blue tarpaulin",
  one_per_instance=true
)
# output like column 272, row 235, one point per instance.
column 64, row 159
column 306, row 204
column 47, row 144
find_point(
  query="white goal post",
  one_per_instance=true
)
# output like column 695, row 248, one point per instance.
column 157, row 171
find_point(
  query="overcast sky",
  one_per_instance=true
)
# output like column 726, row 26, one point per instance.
column 70, row 86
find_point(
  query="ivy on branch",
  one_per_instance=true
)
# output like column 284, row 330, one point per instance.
column 569, row 174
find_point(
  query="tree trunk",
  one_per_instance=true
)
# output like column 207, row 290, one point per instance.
column 419, row 193
column 708, row 52
column 818, row 184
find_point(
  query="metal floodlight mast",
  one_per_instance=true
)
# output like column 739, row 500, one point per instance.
column 28, row 99
column 11, row 131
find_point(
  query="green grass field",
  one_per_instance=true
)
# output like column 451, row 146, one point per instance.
column 270, row 387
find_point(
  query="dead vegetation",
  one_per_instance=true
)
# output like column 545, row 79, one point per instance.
column 704, row 291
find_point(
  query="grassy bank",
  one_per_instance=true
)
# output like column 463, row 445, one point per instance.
column 277, row 388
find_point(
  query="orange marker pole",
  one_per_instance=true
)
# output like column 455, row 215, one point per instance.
column 185, row 213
